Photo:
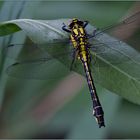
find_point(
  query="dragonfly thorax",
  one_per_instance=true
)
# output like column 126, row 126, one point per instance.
column 78, row 35
column 79, row 39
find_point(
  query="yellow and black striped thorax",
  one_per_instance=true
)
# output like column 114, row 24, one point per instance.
column 79, row 37
column 78, row 33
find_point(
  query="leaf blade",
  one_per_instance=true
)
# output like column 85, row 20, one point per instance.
column 41, row 31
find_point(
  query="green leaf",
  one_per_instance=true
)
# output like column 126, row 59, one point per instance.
column 40, row 31
column 6, row 29
column 121, row 78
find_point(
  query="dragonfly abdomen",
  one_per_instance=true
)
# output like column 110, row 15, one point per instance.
column 97, row 109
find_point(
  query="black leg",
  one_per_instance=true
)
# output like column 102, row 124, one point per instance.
column 92, row 61
column 71, row 66
column 85, row 23
column 93, row 34
column 65, row 29
column 73, row 60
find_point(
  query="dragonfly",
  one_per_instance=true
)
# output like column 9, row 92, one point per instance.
column 75, row 53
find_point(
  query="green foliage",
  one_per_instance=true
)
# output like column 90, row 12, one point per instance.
column 33, row 108
column 45, row 32
column 7, row 29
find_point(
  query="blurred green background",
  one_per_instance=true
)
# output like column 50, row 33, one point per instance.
column 63, row 109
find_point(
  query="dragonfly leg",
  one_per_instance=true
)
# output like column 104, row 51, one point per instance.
column 71, row 66
column 93, row 60
column 64, row 27
column 85, row 23
column 93, row 34
column 73, row 60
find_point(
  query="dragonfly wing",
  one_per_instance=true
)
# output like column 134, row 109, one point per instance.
column 43, row 69
column 119, row 56
column 109, row 54
column 135, row 18
column 34, row 50
column 38, row 61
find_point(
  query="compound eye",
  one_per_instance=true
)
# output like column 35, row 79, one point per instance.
column 80, row 23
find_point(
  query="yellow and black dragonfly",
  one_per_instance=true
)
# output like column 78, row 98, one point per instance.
column 81, row 47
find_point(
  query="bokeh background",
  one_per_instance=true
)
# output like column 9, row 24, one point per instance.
column 62, row 108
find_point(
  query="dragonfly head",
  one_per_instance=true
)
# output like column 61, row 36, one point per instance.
column 75, row 21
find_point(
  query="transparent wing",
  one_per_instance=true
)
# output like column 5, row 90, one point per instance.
column 115, row 52
column 38, row 69
column 135, row 18
column 34, row 51
column 39, row 61
column 119, row 57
